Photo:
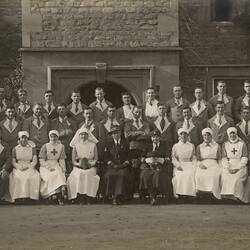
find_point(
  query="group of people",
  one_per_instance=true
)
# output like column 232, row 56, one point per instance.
column 76, row 152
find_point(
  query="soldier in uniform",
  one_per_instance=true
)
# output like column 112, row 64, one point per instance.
column 191, row 125
column 37, row 127
column 49, row 108
column 76, row 107
column 23, row 106
column 201, row 109
column 219, row 123
column 222, row 96
column 125, row 113
column 150, row 106
column 100, row 105
column 9, row 129
column 175, row 105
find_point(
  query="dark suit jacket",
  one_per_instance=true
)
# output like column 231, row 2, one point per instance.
column 5, row 160
column 117, row 154
column 79, row 117
column 243, row 136
column 52, row 115
column 21, row 114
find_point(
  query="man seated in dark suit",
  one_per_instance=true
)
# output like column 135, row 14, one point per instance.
column 155, row 177
column 117, row 176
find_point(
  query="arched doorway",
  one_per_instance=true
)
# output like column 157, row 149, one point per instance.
column 112, row 92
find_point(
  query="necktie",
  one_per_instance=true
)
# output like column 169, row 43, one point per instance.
column 199, row 105
column 188, row 124
column 101, row 106
column 156, row 147
column 137, row 123
column 220, row 120
column 24, row 107
column 207, row 144
column 246, row 128
column 10, row 125
column 111, row 124
column 38, row 122
column 76, row 108
column 162, row 123
column 49, row 107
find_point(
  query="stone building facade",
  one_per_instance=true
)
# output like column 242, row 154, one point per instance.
column 130, row 45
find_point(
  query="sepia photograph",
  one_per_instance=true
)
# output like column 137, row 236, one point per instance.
column 124, row 124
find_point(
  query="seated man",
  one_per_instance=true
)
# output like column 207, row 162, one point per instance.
column 117, row 176
column 154, row 177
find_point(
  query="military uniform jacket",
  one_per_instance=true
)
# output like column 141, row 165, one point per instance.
column 100, row 114
column 22, row 111
column 9, row 137
column 220, row 131
column 38, row 134
column 137, row 141
column 203, row 114
column 174, row 110
column 242, row 133
column 241, row 102
column 77, row 116
column 52, row 114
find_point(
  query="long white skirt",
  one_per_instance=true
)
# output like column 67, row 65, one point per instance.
column 82, row 181
column 24, row 184
column 51, row 181
column 234, row 184
column 184, row 181
column 208, row 180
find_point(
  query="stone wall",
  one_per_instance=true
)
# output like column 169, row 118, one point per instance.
column 10, row 30
column 100, row 23
column 205, row 42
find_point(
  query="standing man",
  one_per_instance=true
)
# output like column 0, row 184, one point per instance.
column 192, row 126
column 242, row 101
column 23, row 106
column 175, row 105
column 37, row 127
column 150, row 106
column 49, row 108
column 165, row 128
column 76, row 107
column 100, row 106
column 201, row 109
column 219, row 123
column 125, row 113
column 223, row 97
column 9, row 129
column 66, row 128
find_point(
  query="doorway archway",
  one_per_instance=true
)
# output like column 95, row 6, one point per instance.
column 112, row 92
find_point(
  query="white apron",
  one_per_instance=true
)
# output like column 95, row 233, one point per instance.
column 83, row 181
column 234, row 184
column 52, row 181
column 24, row 184
column 208, row 180
column 184, row 181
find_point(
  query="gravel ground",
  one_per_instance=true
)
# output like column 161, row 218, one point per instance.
column 125, row 227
